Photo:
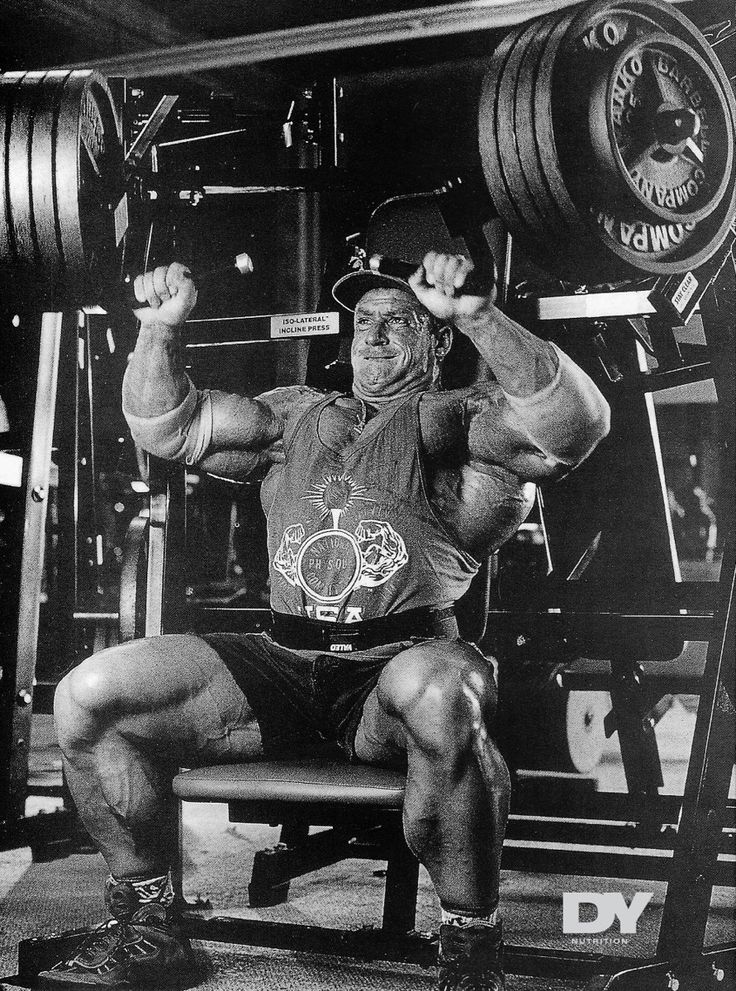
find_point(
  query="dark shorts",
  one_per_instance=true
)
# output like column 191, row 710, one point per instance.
column 305, row 702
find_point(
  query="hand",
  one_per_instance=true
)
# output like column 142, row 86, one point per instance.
column 438, row 284
column 169, row 292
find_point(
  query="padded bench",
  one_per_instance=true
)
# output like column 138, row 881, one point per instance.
column 316, row 782
column 361, row 804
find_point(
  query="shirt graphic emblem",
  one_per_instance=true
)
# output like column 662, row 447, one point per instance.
column 332, row 562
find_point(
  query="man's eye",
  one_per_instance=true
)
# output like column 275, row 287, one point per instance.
column 399, row 322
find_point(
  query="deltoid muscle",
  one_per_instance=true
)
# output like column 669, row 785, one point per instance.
column 382, row 550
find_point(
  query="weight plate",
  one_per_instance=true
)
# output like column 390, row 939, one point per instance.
column 42, row 179
column 645, row 15
column 591, row 32
column 22, row 230
column 660, row 131
column 665, row 248
column 544, row 130
column 560, row 731
column 488, row 114
column 9, row 83
column 601, row 26
column 505, row 125
column 632, row 238
column 88, row 184
column 584, row 729
column 527, row 81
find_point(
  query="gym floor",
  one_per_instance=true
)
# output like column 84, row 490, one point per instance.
column 40, row 898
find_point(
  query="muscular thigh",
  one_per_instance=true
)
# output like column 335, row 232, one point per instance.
column 443, row 664
column 175, row 693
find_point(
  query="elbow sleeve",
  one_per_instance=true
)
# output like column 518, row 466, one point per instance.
column 182, row 434
column 568, row 417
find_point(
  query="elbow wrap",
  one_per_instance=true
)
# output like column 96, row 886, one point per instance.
column 182, row 434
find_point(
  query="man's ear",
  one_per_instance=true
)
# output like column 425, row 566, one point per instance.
column 444, row 341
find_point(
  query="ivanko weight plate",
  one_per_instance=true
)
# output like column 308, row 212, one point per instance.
column 527, row 80
column 88, row 184
column 22, row 228
column 660, row 130
column 42, row 177
column 522, row 194
column 544, row 132
column 603, row 25
column 9, row 83
column 62, row 194
column 489, row 113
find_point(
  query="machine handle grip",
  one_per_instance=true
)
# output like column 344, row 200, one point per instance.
column 241, row 263
column 477, row 283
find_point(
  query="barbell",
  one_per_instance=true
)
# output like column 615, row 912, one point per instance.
column 605, row 135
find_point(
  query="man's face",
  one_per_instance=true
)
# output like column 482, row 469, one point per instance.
column 394, row 350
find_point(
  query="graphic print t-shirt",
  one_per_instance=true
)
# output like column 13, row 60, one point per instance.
column 351, row 535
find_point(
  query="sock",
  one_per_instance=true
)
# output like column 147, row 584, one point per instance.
column 150, row 889
column 461, row 919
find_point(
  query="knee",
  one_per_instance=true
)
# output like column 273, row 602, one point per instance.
column 430, row 688
column 88, row 696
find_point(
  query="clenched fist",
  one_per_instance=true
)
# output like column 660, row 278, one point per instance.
column 169, row 295
column 438, row 285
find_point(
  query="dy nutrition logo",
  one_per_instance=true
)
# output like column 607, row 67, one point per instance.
column 601, row 913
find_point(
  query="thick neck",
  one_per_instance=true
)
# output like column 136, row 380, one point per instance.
column 382, row 401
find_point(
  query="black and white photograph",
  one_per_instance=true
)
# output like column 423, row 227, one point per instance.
column 368, row 495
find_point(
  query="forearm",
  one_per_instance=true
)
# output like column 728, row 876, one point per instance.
column 155, row 380
column 160, row 403
column 521, row 362
column 554, row 402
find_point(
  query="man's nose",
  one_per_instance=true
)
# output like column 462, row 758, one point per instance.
column 377, row 333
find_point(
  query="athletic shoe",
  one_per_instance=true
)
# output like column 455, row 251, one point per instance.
column 471, row 958
column 139, row 947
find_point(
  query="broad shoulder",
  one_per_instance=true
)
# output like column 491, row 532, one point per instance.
column 288, row 403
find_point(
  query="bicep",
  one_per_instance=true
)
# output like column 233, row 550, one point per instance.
column 208, row 422
column 255, row 424
column 241, row 423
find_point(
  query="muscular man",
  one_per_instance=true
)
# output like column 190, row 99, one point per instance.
column 380, row 505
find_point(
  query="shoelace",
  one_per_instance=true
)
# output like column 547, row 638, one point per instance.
column 108, row 936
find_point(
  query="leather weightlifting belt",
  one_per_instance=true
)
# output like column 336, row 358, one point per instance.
column 302, row 633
